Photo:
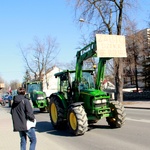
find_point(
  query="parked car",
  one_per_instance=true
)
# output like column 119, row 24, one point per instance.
column 5, row 97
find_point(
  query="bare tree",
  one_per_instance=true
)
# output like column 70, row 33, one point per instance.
column 135, row 51
column 27, row 76
column 109, row 16
column 14, row 84
column 1, row 83
column 148, row 22
column 39, row 57
column 1, row 80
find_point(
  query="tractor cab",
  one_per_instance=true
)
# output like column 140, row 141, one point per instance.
column 68, row 84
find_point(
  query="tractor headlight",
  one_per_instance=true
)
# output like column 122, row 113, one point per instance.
column 100, row 101
column 40, row 97
column 104, row 100
column 97, row 102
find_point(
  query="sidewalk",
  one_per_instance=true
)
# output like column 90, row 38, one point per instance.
column 10, row 140
column 137, row 104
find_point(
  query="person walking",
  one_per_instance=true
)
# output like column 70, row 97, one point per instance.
column 22, row 113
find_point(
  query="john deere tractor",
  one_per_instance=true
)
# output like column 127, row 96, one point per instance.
column 80, row 101
column 37, row 96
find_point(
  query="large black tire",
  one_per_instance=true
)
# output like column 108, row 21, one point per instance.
column 118, row 115
column 56, row 113
column 77, row 120
column 48, row 104
column 10, row 103
column 3, row 103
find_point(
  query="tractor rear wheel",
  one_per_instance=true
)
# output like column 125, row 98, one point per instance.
column 118, row 115
column 56, row 113
column 77, row 120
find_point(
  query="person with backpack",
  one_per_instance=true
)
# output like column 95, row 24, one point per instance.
column 22, row 113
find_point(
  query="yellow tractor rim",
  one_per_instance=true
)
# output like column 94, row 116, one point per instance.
column 73, row 121
column 54, row 112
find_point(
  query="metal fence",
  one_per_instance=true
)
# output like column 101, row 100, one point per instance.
column 136, row 96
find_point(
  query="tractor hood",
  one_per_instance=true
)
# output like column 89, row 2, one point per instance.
column 93, row 92
column 37, row 92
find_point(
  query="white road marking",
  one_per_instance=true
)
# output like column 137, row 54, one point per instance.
column 138, row 120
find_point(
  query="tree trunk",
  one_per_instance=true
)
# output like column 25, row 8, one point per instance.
column 118, row 79
column 136, row 78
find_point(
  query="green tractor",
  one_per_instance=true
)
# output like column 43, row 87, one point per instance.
column 80, row 101
column 37, row 96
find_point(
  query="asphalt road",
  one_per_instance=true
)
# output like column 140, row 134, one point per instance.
column 134, row 135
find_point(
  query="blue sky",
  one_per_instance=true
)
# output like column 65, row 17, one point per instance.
column 22, row 20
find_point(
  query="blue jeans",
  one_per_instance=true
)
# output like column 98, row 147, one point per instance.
column 23, row 137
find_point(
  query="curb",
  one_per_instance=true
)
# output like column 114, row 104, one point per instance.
column 136, row 107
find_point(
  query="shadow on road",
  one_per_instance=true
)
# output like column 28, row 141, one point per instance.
column 92, row 127
column 48, row 128
column 39, row 112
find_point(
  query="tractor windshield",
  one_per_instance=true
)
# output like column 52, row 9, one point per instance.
column 34, row 86
column 87, row 81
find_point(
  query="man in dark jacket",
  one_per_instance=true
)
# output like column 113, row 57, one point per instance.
column 21, row 111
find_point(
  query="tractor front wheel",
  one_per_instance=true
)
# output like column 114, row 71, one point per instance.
column 77, row 120
column 117, row 118
column 56, row 113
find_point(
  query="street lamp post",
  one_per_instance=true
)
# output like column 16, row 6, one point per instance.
column 82, row 20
